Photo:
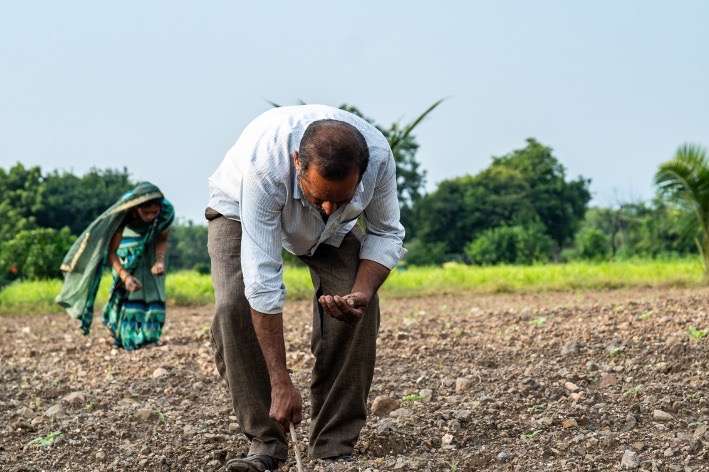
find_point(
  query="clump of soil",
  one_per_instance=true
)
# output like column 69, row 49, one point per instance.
column 562, row 381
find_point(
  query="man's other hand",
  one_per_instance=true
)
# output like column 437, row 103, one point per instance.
column 349, row 308
column 286, row 405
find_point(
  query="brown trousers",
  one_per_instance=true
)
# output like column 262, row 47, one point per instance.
column 345, row 353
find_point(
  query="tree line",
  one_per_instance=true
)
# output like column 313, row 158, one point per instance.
column 521, row 209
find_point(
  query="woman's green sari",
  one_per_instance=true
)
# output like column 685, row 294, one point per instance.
column 136, row 318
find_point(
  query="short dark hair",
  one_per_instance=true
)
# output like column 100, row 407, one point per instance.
column 334, row 148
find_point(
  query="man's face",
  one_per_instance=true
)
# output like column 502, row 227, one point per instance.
column 327, row 195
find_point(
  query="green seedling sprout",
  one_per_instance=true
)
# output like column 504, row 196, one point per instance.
column 634, row 391
column 615, row 351
column 697, row 334
column 47, row 440
column 531, row 435
column 412, row 398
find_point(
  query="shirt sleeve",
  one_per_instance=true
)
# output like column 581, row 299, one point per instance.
column 384, row 241
column 261, row 245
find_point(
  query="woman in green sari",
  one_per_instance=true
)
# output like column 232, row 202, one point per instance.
column 132, row 237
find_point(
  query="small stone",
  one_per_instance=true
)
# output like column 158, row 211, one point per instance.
column 570, row 423
column 639, row 446
column 159, row 372
column 630, row 460
column 145, row 415
column 386, row 426
column 75, row 398
column 100, row 456
column 426, row 395
column 545, row 421
column 609, row 441
column 25, row 412
column 570, row 348
column 630, row 422
column 502, row 456
column 214, row 465
column 608, row 380
column 447, row 439
column 668, row 452
column 563, row 373
column 56, row 411
column 382, row 406
column 401, row 413
column 571, row 387
column 659, row 415
column 234, row 427
column 701, row 431
column 462, row 385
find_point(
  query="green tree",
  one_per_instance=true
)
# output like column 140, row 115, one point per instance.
column 35, row 254
column 685, row 181
column 68, row 200
column 561, row 205
column 665, row 230
column 20, row 190
column 461, row 208
column 634, row 229
column 188, row 246
column 523, row 188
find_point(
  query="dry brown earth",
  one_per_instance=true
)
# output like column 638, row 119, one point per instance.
column 563, row 381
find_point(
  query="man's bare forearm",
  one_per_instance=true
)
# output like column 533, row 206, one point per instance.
column 269, row 331
column 370, row 276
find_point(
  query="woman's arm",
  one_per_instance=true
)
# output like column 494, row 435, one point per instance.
column 161, row 246
column 132, row 284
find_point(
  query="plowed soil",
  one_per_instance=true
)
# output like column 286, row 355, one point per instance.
column 559, row 381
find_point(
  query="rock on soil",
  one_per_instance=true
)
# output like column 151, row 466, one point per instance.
column 558, row 381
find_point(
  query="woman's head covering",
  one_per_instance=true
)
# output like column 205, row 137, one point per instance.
column 84, row 261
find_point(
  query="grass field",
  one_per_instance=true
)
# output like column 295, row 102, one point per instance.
column 190, row 288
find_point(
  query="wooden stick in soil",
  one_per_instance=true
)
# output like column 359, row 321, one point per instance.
column 296, row 449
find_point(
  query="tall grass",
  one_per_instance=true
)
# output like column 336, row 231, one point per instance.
column 191, row 288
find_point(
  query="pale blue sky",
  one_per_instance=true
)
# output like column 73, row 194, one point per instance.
column 165, row 88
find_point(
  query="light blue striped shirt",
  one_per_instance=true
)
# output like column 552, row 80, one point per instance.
column 256, row 184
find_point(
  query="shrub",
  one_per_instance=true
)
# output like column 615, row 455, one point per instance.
column 425, row 254
column 594, row 245
column 35, row 254
column 511, row 245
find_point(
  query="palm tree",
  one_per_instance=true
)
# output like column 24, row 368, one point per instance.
column 685, row 180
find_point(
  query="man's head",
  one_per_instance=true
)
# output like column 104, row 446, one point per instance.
column 332, row 158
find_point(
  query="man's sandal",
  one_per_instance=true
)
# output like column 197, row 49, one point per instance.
column 255, row 463
column 338, row 459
